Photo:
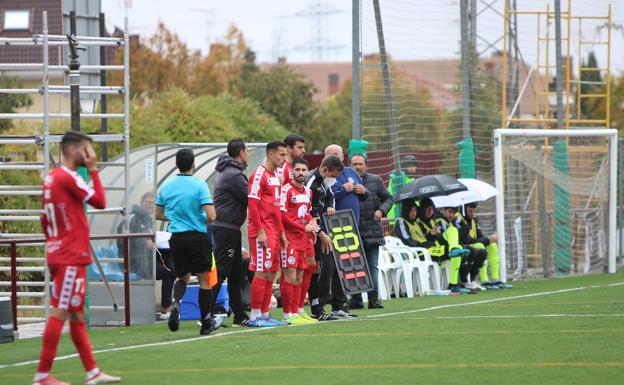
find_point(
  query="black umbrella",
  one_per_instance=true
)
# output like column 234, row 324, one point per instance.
column 430, row 186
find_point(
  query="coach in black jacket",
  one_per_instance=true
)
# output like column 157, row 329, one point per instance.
column 372, row 209
column 320, row 181
column 230, row 201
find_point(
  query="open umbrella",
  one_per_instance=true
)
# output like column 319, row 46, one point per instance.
column 430, row 186
column 478, row 191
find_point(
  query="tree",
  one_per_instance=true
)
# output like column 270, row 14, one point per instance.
column 217, row 72
column 283, row 93
column 617, row 104
column 177, row 116
column 9, row 103
column 157, row 63
column 589, row 105
column 332, row 121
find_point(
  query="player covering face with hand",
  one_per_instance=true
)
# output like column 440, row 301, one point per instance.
column 68, row 253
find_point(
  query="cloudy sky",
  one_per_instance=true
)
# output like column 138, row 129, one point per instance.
column 415, row 29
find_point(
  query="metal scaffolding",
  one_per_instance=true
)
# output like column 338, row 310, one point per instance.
column 43, row 141
column 571, row 92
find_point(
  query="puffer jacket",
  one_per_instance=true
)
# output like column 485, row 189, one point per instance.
column 230, row 193
column 378, row 199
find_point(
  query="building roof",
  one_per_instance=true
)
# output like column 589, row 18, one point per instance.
column 439, row 76
column 21, row 54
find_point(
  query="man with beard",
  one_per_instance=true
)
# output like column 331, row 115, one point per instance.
column 295, row 146
column 372, row 209
column 231, row 205
column 68, row 253
column 295, row 203
column 266, row 233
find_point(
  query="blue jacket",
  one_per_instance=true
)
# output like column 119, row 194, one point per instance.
column 348, row 200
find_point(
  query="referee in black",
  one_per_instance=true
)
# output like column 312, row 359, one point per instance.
column 231, row 205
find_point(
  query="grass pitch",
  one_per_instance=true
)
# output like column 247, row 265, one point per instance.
column 560, row 331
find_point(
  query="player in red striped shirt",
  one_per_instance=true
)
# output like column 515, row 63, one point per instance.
column 295, row 148
column 265, row 232
column 295, row 203
column 66, row 230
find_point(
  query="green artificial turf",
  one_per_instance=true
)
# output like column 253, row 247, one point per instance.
column 566, row 337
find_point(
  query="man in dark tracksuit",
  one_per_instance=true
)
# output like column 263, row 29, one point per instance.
column 230, row 200
column 319, row 181
column 372, row 209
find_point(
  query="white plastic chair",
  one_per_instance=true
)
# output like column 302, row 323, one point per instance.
column 384, row 279
column 393, row 241
column 415, row 272
column 392, row 269
column 433, row 269
column 446, row 276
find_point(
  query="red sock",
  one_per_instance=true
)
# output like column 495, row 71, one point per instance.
column 286, row 290
column 295, row 298
column 305, row 285
column 78, row 332
column 257, row 293
column 50, row 341
column 268, row 292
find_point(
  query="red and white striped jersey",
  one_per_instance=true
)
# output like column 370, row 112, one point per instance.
column 263, row 203
column 284, row 173
column 63, row 216
column 296, row 203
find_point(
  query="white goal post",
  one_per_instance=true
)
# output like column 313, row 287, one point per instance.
column 500, row 135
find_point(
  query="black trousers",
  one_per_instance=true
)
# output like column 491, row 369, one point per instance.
column 329, row 287
column 229, row 265
column 472, row 264
column 165, row 271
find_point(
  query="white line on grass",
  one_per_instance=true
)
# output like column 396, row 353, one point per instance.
column 365, row 319
column 476, row 302
column 132, row 347
column 616, row 284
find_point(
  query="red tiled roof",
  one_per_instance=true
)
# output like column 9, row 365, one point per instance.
column 22, row 54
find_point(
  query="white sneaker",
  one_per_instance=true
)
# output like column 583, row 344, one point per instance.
column 102, row 378
column 477, row 286
column 165, row 316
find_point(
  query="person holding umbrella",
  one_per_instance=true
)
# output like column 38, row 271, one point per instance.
column 470, row 234
column 417, row 227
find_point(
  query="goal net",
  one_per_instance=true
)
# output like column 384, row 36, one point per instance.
column 556, row 213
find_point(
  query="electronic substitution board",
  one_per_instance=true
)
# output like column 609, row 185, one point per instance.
column 348, row 250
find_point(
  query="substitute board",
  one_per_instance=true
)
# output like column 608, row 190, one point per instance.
column 348, row 252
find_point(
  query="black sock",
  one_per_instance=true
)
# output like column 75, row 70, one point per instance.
column 179, row 287
column 205, row 301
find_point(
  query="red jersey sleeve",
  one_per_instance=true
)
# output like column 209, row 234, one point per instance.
column 79, row 188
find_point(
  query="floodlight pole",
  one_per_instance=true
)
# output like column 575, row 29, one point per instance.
column 74, row 83
column 356, row 129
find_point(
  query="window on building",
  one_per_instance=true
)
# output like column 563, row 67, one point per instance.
column 16, row 20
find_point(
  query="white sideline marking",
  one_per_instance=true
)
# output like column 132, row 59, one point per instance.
column 476, row 302
column 616, row 284
column 132, row 347
column 490, row 316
